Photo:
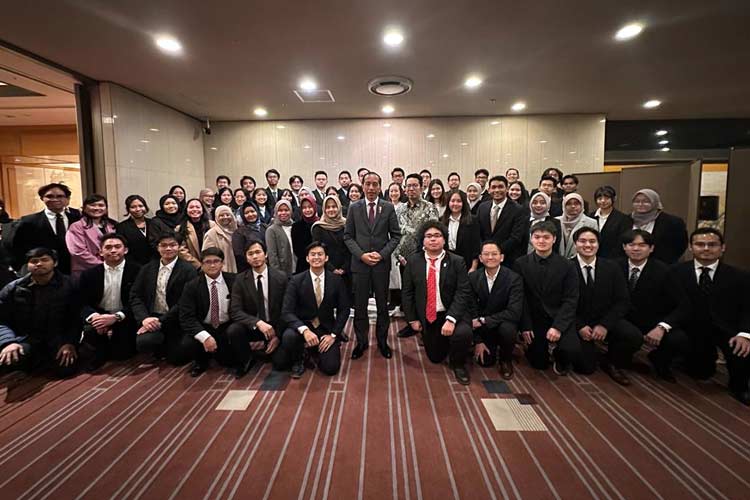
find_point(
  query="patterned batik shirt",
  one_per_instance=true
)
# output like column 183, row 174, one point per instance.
column 410, row 218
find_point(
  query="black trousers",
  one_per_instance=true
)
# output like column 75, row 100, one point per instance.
column 363, row 284
column 164, row 342
column 567, row 351
column 500, row 342
column 623, row 340
column 292, row 351
column 120, row 345
column 701, row 358
column 240, row 337
column 39, row 357
column 193, row 349
column 438, row 347
column 673, row 344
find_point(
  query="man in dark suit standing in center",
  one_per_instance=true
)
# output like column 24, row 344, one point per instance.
column 371, row 234
column 503, row 220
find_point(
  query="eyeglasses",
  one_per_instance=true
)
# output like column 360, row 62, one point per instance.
column 168, row 245
column 54, row 196
column 706, row 244
column 432, row 236
column 212, row 262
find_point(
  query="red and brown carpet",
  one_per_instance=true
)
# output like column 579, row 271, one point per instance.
column 381, row 429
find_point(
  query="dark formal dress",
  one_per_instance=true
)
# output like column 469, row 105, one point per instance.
column 35, row 230
column 670, row 238
column 500, row 310
column 301, row 237
column 301, row 310
column 455, row 296
column 510, row 229
column 610, row 236
column 240, row 240
column 141, row 247
column 362, row 236
column 339, row 256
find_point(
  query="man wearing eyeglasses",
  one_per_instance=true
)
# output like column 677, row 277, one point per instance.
column 47, row 228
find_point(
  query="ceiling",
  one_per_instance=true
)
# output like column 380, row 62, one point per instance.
column 559, row 57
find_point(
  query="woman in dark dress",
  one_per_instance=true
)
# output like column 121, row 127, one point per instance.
column 330, row 231
column 302, row 231
column 168, row 217
column 252, row 229
column 463, row 229
column 612, row 223
column 138, row 230
column 669, row 231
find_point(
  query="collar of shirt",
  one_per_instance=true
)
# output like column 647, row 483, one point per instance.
column 454, row 219
column 600, row 215
column 219, row 279
column 118, row 268
column 52, row 215
column 264, row 274
column 501, row 204
column 440, row 258
column 493, row 277
column 583, row 264
column 632, row 266
column 170, row 265
column 711, row 267
column 322, row 277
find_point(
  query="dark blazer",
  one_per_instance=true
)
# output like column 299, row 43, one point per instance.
column 455, row 291
column 301, row 237
column 551, row 296
column 651, row 300
column 245, row 302
column 670, row 238
column 609, row 302
column 300, row 307
column 143, row 292
column 468, row 242
column 727, row 309
column 34, row 230
column 91, row 289
column 610, row 244
column 382, row 237
column 318, row 200
column 195, row 303
column 338, row 253
column 141, row 249
column 510, row 230
column 504, row 304
column 272, row 198
column 240, row 239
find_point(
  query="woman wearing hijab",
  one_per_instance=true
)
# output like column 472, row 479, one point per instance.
column 279, row 238
column 168, row 217
column 251, row 229
column 220, row 236
column 612, row 223
column 302, row 230
column 474, row 196
column 329, row 230
column 192, row 231
column 539, row 206
column 288, row 195
column 261, row 199
column 669, row 231
column 138, row 230
column 571, row 220
column 179, row 193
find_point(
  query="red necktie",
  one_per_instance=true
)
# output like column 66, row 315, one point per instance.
column 372, row 213
column 431, row 293
column 214, row 305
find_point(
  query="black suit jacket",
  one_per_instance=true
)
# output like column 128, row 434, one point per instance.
column 143, row 292
column 727, row 308
column 300, row 306
column 651, row 299
column 468, row 242
column 503, row 304
column 382, row 237
column 34, row 230
column 344, row 197
column 195, row 303
column 610, row 238
column 551, row 296
column 455, row 291
column 608, row 302
column 510, row 230
column 141, row 249
column 246, row 303
column 670, row 238
column 91, row 289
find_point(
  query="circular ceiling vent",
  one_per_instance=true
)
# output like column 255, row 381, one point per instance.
column 390, row 86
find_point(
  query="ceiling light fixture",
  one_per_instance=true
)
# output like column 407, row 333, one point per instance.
column 393, row 37
column 306, row 146
column 628, row 32
column 663, row 142
column 260, row 112
column 168, row 44
column 661, row 132
column 519, row 106
column 341, row 137
column 665, row 149
column 542, row 142
column 153, row 130
column 653, row 103
column 308, row 84
column 214, row 148
column 445, row 155
column 472, row 82
column 388, row 109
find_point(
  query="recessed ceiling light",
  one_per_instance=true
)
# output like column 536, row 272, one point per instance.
column 653, row 103
column 445, row 155
column 214, row 148
column 388, row 109
column 168, row 44
column 661, row 132
column 280, row 127
column 473, row 82
column 430, row 136
column 306, row 146
column 308, row 84
column 260, row 112
column 494, row 123
column 629, row 31
column 386, row 125
column 153, row 129
column 571, row 152
column 341, row 137
column 393, row 37
column 663, row 142
column 519, row 106
column 665, row 149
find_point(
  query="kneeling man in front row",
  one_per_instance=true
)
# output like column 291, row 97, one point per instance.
column 436, row 300
column 316, row 309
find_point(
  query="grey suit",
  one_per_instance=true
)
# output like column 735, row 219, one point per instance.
column 362, row 237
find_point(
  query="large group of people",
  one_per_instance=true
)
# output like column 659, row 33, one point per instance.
column 270, row 274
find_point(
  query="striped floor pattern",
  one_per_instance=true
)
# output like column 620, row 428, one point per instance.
column 380, row 429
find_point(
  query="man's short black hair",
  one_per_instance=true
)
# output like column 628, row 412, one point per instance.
column 255, row 241
column 301, row 180
column 43, row 190
column 212, row 251
column 320, row 172
column 360, row 169
column 584, row 229
column 607, row 191
column 114, row 236
column 397, row 169
column 630, row 235
column 425, row 171
column 246, row 178
column 491, row 242
column 345, row 172
column 38, row 252
column 547, row 226
column 452, row 174
column 570, row 176
column 413, row 176
column 369, row 173
column 169, row 236
column 229, row 181
column 498, row 178
column 548, row 178
column 433, row 224
column 707, row 230
column 316, row 244
column 482, row 171
column 272, row 171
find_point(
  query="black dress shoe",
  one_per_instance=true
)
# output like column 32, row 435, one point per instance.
column 385, row 350
column 344, row 337
column 243, row 368
column 663, row 371
column 406, row 332
column 298, row 369
column 616, row 374
column 358, row 351
column 197, row 368
column 742, row 396
column 462, row 376
column 506, row 369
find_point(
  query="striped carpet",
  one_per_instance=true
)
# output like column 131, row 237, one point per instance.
column 396, row 429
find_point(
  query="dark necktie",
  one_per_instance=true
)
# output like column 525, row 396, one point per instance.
column 705, row 282
column 60, row 226
column 214, row 305
column 634, row 275
column 371, row 216
column 261, row 299
column 431, row 308
column 590, row 279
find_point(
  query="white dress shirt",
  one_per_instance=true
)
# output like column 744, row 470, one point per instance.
column 439, row 306
column 52, row 218
column 491, row 279
column 453, row 224
column 264, row 282
column 583, row 266
column 602, row 218
column 111, row 299
column 632, row 266
column 223, row 291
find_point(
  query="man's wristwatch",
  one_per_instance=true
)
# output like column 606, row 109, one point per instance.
column 120, row 315
column 481, row 320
